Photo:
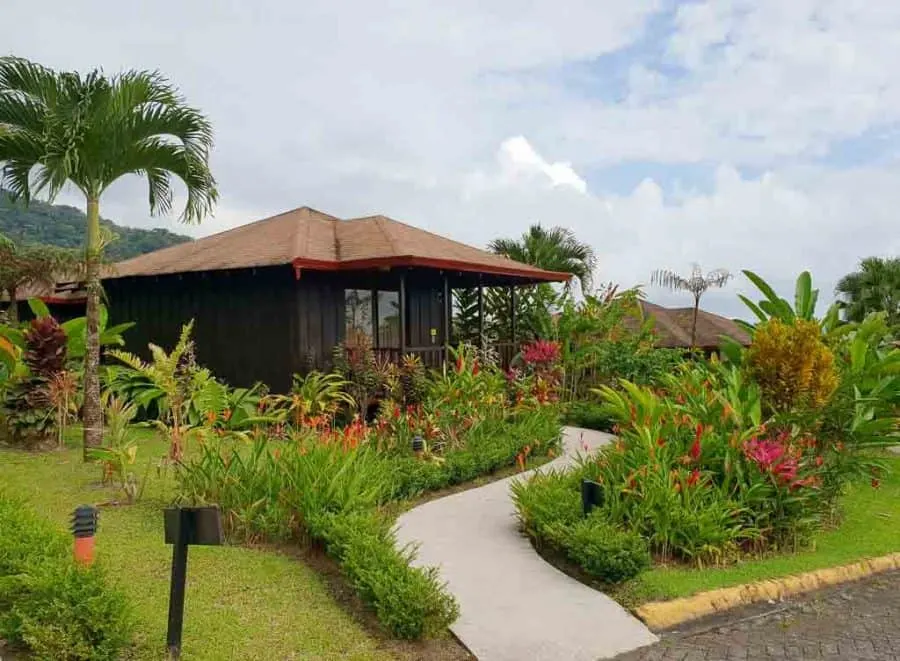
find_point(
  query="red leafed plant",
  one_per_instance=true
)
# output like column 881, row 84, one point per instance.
column 45, row 347
column 541, row 353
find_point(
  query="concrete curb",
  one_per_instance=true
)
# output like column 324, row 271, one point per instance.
column 666, row 614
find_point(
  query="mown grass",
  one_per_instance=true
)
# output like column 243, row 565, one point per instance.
column 241, row 603
column 869, row 527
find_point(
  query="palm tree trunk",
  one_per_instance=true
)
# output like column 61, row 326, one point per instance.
column 13, row 312
column 93, row 420
column 694, row 323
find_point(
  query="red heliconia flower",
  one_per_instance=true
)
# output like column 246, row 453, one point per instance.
column 820, row 460
column 476, row 368
column 694, row 478
column 459, row 364
column 876, row 483
column 695, row 449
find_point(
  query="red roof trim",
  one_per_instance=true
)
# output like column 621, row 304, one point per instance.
column 445, row 264
column 56, row 300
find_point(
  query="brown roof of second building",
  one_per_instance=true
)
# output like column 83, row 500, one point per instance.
column 673, row 327
column 311, row 239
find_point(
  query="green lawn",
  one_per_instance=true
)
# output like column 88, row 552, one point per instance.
column 870, row 528
column 241, row 603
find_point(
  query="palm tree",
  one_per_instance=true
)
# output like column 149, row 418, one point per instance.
column 89, row 131
column 556, row 249
column 874, row 287
column 697, row 284
column 21, row 266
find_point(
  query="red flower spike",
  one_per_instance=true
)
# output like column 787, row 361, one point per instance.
column 695, row 449
column 876, row 483
column 694, row 478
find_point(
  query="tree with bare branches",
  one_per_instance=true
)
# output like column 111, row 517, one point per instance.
column 697, row 284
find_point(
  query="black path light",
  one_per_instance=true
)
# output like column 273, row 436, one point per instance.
column 186, row 526
column 591, row 495
column 418, row 445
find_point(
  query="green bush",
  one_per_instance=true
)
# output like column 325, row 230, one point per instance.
column 590, row 415
column 411, row 602
column 611, row 554
column 549, row 508
column 49, row 606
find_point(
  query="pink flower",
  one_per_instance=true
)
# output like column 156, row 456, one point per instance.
column 764, row 453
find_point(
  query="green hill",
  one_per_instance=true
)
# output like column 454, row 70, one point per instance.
column 64, row 226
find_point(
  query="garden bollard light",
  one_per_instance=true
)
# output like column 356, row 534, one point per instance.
column 84, row 527
column 418, row 446
column 590, row 495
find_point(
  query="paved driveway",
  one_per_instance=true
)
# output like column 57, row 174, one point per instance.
column 854, row 622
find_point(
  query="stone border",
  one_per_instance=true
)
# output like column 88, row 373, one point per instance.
column 666, row 614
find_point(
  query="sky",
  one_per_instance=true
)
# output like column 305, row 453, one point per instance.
column 736, row 134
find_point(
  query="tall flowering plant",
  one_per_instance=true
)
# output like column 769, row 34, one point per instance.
column 701, row 476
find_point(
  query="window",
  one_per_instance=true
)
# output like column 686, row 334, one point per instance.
column 358, row 312
column 389, row 319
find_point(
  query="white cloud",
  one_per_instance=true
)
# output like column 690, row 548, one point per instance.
column 357, row 107
column 518, row 162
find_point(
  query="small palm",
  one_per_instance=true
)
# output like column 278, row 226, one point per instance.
column 697, row 283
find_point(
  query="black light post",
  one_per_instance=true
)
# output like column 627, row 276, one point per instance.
column 185, row 526
column 591, row 493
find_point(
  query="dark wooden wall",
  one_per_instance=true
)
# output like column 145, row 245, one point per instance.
column 249, row 325
column 424, row 312
column 262, row 324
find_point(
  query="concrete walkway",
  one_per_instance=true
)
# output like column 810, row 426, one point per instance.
column 514, row 606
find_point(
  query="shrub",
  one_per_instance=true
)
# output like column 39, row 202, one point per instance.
column 272, row 491
column 590, row 415
column 549, row 509
column 792, row 365
column 608, row 553
column 411, row 602
column 56, row 610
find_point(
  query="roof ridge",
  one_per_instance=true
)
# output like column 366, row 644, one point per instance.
column 380, row 224
column 441, row 237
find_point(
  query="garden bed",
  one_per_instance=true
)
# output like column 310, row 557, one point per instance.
column 248, row 603
column 869, row 527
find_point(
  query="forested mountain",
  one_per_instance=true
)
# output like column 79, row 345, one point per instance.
column 64, row 226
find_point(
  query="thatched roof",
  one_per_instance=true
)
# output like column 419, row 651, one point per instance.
column 673, row 327
column 310, row 239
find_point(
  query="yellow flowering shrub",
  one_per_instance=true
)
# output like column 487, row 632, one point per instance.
column 792, row 365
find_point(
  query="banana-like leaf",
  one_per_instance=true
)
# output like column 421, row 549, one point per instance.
column 38, row 308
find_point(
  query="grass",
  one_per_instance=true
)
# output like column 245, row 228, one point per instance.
column 241, row 603
column 870, row 527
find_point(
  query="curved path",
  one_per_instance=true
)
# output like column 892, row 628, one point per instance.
column 514, row 606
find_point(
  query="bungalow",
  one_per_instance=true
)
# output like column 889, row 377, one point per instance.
column 274, row 297
column 672, row 327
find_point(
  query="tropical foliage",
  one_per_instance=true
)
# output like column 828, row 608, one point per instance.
column 554, row 249
column 873, row 287
column 91, row 130
column 307, row 478
column 716, row 461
